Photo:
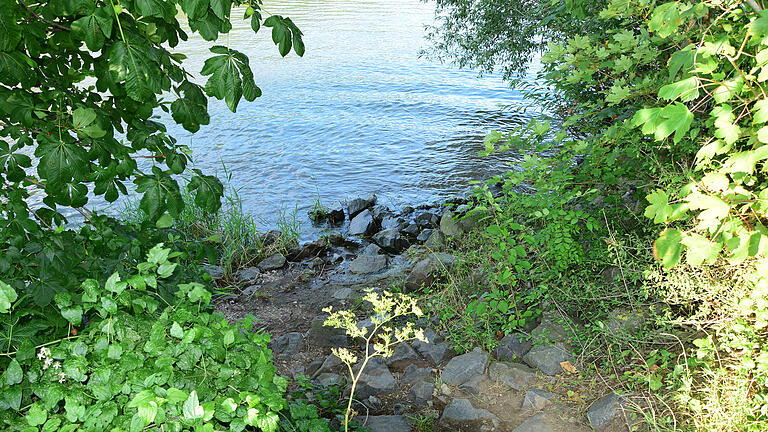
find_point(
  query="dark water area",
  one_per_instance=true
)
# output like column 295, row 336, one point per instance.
column 361, row 112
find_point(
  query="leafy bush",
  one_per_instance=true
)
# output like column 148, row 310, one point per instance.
column 140, row 361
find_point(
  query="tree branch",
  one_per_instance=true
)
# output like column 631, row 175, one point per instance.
column 40, row 17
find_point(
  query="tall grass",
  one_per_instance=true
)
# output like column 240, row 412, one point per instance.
column 242, row 240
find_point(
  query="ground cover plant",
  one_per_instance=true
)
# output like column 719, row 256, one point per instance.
column 655, row 198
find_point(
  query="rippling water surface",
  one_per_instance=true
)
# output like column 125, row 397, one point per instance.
column 359, row 113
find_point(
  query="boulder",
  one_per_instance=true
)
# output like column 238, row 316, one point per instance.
column 605, row 410
column 272, row 262
column 402, row 356
column 247, row 275
column 336, row 216
column 435, row 240
column 362, row 224
column 376, row 379
column 390, row 240
column 387, row 423
column 367, row 264
column 328, row 379
column 541, row 423
column 512, row 347
column 434, row 350
column 427, row 219
column 414, row 374
column 475, row 385
column 426, row 271
column 515, row 375
column 309, row 250
column 380, row 212
column 392, row 222
column 412, row 230
column 327, row 365
column 216, row 272
column 461, row 411
column 461, row 368
column 288, row 344
column 342, row 293
column 320, row 335
column 421, row 392
column 357, row 205
column 622, row 321
column 547, row 358
column 424, row 235
column 450, row 226
column 371, row 249
column 551, row 328
column 537, row 399
column 270, row 237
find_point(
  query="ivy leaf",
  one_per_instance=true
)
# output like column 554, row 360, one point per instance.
column 176, row 330
column 760, row 109
column 175, row 395
column 700, row 249
column 668, row 247
column 36, row 415
column 759, row 27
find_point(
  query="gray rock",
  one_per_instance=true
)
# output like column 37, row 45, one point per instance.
column 367, row 264
column 373, row 403
column 515, row 375
column 247, row 275
column 398, row 408
column 412, row 230
column 336, row 216
column 427, row 219
column 392, row 222
column 357, row 205
column 424, row 235
column 547, row 358
column 387, row 423
column 250, row 290
column 309, row 250
column 414, row 374
column 426, row 271
column 288, row 344
column 435, row 240
column 551, row 328
column 474, row 385
column 468, row 223
column 421, row 392
column 320, row 335
column 537, row 399
column 271, row 237
column 327, row 365
column 380, row 212
column 605, row 410
column 402, row 356
column 328, row 379
column 313, row 369
column 434, row 350
column 362, row 224
column 622, row 321
column 462, row 411
column 316, row 263
column 375, row 379
column 408, row 209
column 512, row 347
column 371, row 249
column 390, row 240
column 216, row 272
column 272, row 262
column 540, row 423
column 450, row 226
column 342, row 293
column 461, row 368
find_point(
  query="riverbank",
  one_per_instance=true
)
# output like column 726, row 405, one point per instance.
column 510, row 370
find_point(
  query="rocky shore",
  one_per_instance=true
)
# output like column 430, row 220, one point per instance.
column 514, row 388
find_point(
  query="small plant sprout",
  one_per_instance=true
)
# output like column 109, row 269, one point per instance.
column 385, row 334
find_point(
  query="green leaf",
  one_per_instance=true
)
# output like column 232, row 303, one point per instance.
column 73, row 314
column 700, row 249
column 191, row 408
column 668, row 247
column 10, row 31
column 176, row 330
column 165, row 221
column 83, row 117
column 36, row 415
column 759, row 27
column 88, row 29
column 13, row 374
column 7, row 297
column 686, row 89
column 195, row 9
column 175, row 395
column 229, row 405
column 665, row 19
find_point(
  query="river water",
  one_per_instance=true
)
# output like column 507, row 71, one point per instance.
column 361, row 112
